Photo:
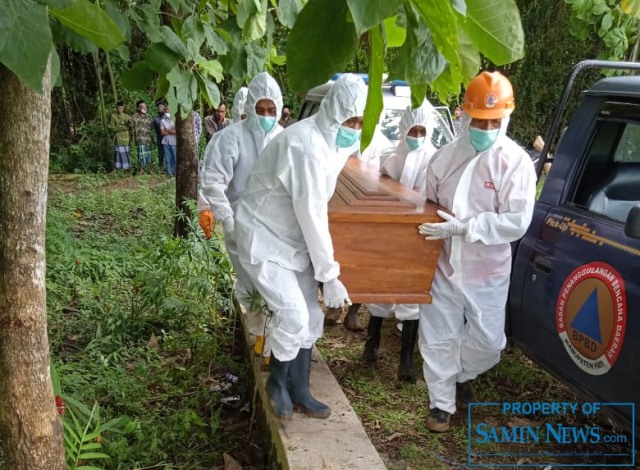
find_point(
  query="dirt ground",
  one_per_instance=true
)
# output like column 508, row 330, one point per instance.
column 394, row 415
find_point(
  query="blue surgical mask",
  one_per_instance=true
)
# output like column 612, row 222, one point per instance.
column 267, row 122
column 481, row 140
column 414, row 143
column 347, row 137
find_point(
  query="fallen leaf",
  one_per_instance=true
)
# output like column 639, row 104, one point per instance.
column 230, row 463
column 153, row 341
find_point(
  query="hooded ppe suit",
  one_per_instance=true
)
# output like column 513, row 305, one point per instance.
column 239, row 102
column 282, row 220
column 409, row 168
column 492, row 193
column 229, row 158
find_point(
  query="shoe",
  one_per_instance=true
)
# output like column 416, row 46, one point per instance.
column 280, row 402
column 464, row 393
column 370, row 353
column 298, row 384
column 438, row 420
column 351, row 321
column 406, row 371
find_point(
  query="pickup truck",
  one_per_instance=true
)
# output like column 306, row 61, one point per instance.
column 574, row 304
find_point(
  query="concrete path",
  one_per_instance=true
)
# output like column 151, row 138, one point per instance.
column 303, row 443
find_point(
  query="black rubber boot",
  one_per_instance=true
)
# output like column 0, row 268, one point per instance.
column 279, row 398
column 370, row 353
column 351, row 321
column 406, row 371
column 299, row 373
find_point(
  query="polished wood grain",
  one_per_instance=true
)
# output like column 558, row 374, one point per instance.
column 373, row 222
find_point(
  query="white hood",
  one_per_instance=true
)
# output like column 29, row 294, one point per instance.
column 239, row 102
column 346, row 99
column 262, row 86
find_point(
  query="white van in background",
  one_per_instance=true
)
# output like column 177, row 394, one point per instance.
column 396, row 96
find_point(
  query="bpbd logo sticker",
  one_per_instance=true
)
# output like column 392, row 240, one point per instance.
column 591, row 316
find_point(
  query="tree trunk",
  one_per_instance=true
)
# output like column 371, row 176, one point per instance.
column 186, row 173
column 30, row 427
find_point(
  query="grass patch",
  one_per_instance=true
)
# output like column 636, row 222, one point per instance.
column 143, row 325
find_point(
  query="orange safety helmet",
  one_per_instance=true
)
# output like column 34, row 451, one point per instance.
column 489, row 96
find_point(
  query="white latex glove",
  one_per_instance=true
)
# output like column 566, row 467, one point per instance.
column 334, row 294
column 228, row 230
column 447, row 229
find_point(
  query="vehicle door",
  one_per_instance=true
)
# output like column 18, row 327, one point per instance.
column 576, row 281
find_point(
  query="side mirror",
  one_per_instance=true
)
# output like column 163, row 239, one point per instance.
column 632, row 226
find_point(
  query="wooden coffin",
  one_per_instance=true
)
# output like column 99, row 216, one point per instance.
column 373, row 222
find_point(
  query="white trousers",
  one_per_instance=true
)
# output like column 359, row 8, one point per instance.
column 454, row 350
column 402, row 311
column 244, row 289
column 292, row 297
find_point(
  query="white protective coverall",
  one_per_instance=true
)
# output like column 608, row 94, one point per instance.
column 282, row 221
column 229, row 158
column 409, row 168
column 493, row 192
column 239, row 102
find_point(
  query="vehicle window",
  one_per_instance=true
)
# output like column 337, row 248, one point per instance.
column 610, row 181
column 391, row 124
column 629, row 148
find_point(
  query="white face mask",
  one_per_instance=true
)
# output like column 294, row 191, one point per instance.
column 167, row 115
column 143, row 111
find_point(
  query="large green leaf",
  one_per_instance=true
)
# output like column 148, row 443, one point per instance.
column 374, row 95
column 288, row 11
column 90, row 21
column 256, row 57
column 368, row 13
column 55, row 67
column 213, row 68
column 67, row 36
column 119, row 18
column 56, row 3
column 246, row 9
column 160, row 58
column 443, row 27
column 209, row 91
column 495, row 29
column 469, row 57
column 235, row 62
column 396, row 34
column 424, row 62
column 193, row 29
column 162, row 87
column 137, row 77
column 321, row 43
column 149, row 22
column 25, row 40
column 181, row 82
column 215, row 42
column 446, row 85
column 255, row 26
column 173, row 41
column 418, row 94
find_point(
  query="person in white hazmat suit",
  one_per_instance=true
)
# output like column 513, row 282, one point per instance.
column 229, row 158
column 239, row 102
column 284, row 244
column 406, row 163
column 488, row 183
